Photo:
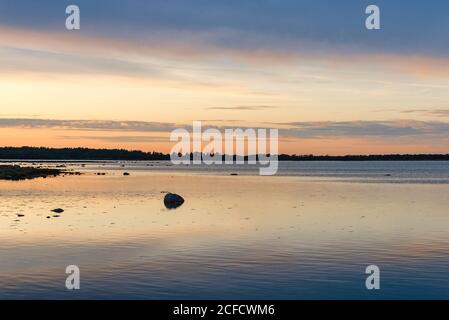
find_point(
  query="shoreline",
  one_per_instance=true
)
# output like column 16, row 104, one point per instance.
column 18, row 173
column 330, row 159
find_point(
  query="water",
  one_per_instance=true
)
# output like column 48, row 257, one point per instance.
column 308, row 233
column 360, row 171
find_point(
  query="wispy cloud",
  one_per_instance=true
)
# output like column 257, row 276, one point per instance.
column 89, row 125
column 338, row 129
column 243, row 24
column 245, row 108
column 378, row 129
column 222, row 31
column 45, row 60
column 428, row 112
column 118, row 139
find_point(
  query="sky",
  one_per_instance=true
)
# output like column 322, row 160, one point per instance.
column 136, row 70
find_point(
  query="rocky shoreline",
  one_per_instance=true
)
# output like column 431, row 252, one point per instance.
column 25, row 173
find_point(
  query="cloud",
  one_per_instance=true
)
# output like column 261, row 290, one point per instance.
column 252, row 32
column 245, row 108
column 253, row 25
column 222, row 120
column 429, row 112
column 119, row 139
column 38, row 61
column 307, row 130
column 88, row 125
column 374, row 129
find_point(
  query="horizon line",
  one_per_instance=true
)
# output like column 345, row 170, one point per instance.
column 234, row 155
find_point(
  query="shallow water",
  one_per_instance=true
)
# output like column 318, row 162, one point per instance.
column 304, row 235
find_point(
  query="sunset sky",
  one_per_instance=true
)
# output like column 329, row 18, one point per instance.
column 138, row 69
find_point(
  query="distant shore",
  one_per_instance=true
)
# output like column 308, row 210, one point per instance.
column 10, row 154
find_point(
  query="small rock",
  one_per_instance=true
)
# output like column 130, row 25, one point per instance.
column 58, row 210
column 234, row 174
column 173, row 200
column 20, row 215
column 126, row 173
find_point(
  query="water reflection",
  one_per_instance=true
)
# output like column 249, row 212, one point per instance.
column 234, row 237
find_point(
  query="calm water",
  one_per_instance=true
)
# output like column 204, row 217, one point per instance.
column 307, row 233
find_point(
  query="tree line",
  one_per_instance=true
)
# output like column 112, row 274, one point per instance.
column 42, row 153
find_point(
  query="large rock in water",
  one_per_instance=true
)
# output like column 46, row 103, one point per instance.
column 173, row 200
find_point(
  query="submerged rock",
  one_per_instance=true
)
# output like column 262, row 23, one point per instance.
column 173, row 200
column 58, row 210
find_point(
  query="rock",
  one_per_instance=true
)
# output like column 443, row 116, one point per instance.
column 173, row 200
column 58, row 210
column 48, row 217
column 126, row 173
column 234, row 174
column 20, row 215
